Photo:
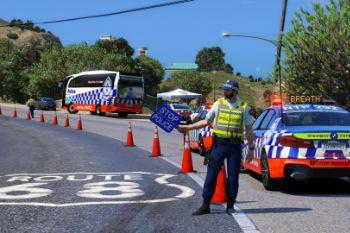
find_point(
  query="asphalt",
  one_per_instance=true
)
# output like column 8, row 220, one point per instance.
column 118, row 189
column 321, row 205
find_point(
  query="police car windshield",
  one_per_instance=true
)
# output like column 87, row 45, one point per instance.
column 317, row 118
column 180, row 106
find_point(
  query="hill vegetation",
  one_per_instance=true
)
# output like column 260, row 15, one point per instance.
column 26, row 34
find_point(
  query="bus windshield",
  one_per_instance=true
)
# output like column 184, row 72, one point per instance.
column 130, row 87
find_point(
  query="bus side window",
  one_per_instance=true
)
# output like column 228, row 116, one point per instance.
column 80, row 81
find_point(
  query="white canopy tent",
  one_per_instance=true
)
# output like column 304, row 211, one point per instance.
column 178, row 94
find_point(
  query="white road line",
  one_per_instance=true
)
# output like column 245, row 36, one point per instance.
column 241, row 218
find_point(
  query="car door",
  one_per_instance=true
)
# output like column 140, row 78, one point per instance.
column 260, row 129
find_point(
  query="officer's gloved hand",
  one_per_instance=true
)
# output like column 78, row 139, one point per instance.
column 182, row 128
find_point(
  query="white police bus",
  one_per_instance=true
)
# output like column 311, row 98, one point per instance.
column 101, row 91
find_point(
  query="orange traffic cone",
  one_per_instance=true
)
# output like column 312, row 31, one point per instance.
column 156, row 144
column 15, row 113
column 28, row 116
column 79, row 124
column 220, row 195
column 55, row 120
column 187, row 165
column 129, row 138
column 42, row 118
column 66, row 121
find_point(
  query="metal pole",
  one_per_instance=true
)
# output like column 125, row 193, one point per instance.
column 279, row 51
column 280, row 37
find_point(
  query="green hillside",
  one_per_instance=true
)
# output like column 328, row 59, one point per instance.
column 251, row 92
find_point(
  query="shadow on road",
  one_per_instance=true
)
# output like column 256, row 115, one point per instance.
column 275, row 210
column 325, row 187
column 319, row 187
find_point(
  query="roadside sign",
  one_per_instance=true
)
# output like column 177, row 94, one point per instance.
column 166, row 118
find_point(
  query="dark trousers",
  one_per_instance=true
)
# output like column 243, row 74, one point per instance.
column 31, row 110
column 233, row 154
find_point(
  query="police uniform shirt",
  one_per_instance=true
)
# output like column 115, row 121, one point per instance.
column 248, row 119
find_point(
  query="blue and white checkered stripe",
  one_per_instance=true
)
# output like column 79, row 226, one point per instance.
column 92, row 97
column 206, row 131
column 274, row 150
column 193, row 135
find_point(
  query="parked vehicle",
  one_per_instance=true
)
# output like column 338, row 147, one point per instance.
column 201, row 139
column 183, row 109
column 45, row 103
column 311, row 141
column 196, row 114
column 101, row 92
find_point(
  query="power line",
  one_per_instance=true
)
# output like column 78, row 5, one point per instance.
column 106, row 14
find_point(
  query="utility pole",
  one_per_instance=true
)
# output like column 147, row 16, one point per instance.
column 279, row 51
column 279, row 43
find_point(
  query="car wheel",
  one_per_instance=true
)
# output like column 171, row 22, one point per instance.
column 98, row 110
column 71, row 109
column 201, row 148
column 243, row 169
column 268, row 182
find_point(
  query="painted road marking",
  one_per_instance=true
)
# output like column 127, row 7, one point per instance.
column 241, row 218
column 104, row 188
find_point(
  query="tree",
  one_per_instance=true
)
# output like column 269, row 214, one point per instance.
column 152, row 71
column 117, row 46
column 14, row 85
column 250, row 77
column 317, row 52
column 228, row 68
column 12, row 36
column 210, row 59
column 58, row 62
column 192, row 81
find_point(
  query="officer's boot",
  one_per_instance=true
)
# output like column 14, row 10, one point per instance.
column 229, row 207
column 204, row 209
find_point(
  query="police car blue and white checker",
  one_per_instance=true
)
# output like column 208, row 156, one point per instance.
column 301, row 142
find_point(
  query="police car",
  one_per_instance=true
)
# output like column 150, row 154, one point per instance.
column 300, row 141
column 201, row 139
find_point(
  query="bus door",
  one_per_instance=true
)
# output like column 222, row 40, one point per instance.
column 62, row 85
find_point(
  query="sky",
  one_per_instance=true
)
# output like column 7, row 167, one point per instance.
column 174, row 33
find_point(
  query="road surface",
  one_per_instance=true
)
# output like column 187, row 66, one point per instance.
column 316, row 206
column 61, row 180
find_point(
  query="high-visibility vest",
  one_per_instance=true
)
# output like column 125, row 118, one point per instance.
column 228, row 122
column 31, row 102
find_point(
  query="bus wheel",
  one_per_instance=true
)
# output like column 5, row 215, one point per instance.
column 93, row 112
column 98, row 110
column 122, row 115
column 268, row 182
column 71, row 109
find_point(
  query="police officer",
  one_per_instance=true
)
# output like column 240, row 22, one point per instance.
column 31, row 105
column 230, row 118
